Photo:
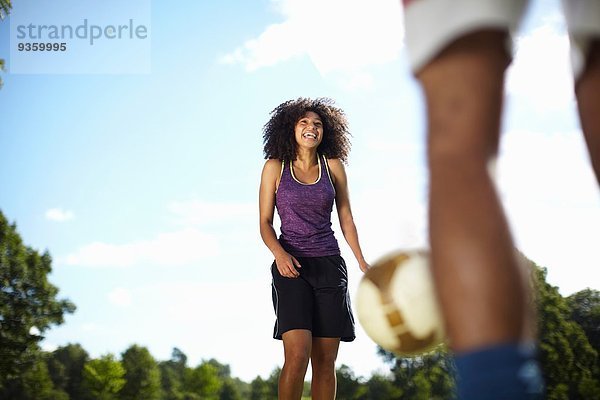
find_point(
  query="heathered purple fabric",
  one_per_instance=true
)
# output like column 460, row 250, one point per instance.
column 305, row 213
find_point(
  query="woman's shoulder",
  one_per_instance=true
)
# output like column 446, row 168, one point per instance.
column 272, row 163
column 335, row 164
column 272, row 167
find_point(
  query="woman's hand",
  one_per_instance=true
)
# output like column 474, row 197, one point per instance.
column 364, row 266
column 287, row 264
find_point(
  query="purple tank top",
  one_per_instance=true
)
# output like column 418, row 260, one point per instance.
column 305, row 213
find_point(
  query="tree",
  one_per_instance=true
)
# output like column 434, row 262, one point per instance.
column 223, row 370
column 585, row 310
column 229, row 391
column 380, row 387
column 179, row 359
column 241, row 387
column 272, row 383
column 230, row 388
column 5, row 7
column 170, row 382
column 34, row 383
column 567, row 359
column 65, row 365
column 259, row 390
column 203, row 381
column 172, row 374
column 429, row 376
column 37, row 384
column 28, row 303
column 2, row 69
column 103, row 378
column 348, row 386
column 142, row 375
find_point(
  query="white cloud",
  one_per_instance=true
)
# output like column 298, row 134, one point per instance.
column 185, row 246
column 89, row 327
column 197, row 212
column 541, row 71
column 34, row 331
column 59, row 215
column 178, row 248
column 552, row 167
column 336, row 35
column 120, row 297
column 553, row 204
column 48, row 347
column 357, row 81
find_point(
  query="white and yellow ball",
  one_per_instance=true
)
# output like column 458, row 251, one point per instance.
column 397, row 306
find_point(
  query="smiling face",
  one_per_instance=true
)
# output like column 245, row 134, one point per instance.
column 309, row 130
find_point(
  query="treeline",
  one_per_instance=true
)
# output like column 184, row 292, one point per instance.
column 68, row 373
column 568, row 329
column 569, row 345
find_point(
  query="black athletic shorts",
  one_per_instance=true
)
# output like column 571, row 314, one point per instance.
column 317, row 300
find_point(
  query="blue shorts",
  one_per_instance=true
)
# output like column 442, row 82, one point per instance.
column 502, row 372
column 317, row 300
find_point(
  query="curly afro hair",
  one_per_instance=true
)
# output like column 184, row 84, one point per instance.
column 278, row 133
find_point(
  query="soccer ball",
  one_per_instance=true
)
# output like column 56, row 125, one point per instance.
column 396, row 304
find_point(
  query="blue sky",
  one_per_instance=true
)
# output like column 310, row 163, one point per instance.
column 143, row 186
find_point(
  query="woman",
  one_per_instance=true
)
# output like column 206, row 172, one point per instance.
column 305, row 143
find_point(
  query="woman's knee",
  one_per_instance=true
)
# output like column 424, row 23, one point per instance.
column 297, row 354
column 297, row 359
column 324, row 356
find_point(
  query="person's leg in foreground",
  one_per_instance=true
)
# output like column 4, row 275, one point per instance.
column 473, row 254
column 484, row 294
column 483, row 291
column 587, row 90
column 583, row 22
column 460, row 57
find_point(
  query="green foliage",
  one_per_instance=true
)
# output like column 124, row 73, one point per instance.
column 569, row 363
column 241, row 387
column 230, row 391
column 380, row 387
column 142, row 375
column 429, row 376
column 65, row 365
column 5, row 7
column 348, row 385
column 28, row 304
column 103, row 378
column 209, row 380
column 260, row 390
column 33, row 384
column 273, row 384
column 223, row 370
column 585, row 310
column 172, row 373
column 171, row 383
column 1, row 70
column 37, row 384
column 203, row 381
